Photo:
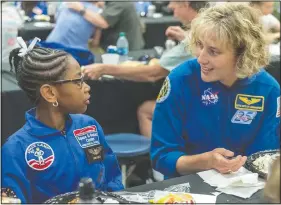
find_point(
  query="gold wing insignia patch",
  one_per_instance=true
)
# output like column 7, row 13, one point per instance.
column 165, row 91
column 249, row 101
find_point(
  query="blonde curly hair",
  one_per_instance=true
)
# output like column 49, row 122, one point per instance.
column 238, row 26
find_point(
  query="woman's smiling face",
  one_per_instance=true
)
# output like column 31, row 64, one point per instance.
column 217, row 60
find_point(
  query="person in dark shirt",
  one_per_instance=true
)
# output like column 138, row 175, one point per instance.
column 116, row 17
column 122, row 17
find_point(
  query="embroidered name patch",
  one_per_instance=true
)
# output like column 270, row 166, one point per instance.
column 249, row 102
column 165, row 91
column 39, row 156
column 243, row 117
column 278, row 107
column 87, row 136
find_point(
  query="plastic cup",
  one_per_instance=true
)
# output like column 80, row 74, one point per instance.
column 110, row 58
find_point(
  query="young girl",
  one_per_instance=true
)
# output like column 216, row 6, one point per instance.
column 58, row 145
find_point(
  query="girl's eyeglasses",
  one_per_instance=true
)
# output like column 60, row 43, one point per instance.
column 77, row 81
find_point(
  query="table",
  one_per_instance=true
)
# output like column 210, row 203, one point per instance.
column 153, row 36
column 114, row 102
column 197, row 186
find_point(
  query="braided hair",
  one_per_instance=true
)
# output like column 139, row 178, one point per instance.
column 37, row 67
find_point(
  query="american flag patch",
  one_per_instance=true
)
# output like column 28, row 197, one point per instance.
column 278, row 107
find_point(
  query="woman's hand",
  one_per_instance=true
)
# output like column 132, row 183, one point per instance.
column 218, row 160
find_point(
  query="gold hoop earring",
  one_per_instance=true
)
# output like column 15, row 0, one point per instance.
column 55, row 104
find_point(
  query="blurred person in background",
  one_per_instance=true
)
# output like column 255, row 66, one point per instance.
column 270, row 23
column 122, row 17
column 185, row 11
column 73, row 29
column 32, row 8
column 116, row 17
column 12, row 20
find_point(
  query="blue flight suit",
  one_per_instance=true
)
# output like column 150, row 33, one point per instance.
column 39, row 162
column 193, row 116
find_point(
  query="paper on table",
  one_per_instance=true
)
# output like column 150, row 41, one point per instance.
column 205, row 175
column 242, row 183
column 202, row 198
column 243, row 192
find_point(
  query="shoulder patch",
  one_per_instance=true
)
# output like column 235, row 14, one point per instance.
column 165, row 91
column 39, row 156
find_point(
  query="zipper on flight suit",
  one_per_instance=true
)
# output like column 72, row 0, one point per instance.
column 229, row 118
column 225, row 136
column 63, row 132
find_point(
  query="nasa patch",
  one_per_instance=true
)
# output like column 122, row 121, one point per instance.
column 39, row 156
column 209, row 97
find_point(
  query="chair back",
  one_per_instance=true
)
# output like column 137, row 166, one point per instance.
column 128, row 145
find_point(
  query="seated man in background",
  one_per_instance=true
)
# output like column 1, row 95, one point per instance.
column 73, row 29
column 185, row 11
column 116, row 17
column 215, row 110
column 270, row 23
column 122, row 17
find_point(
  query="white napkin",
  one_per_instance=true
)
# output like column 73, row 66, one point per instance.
column 242, row 183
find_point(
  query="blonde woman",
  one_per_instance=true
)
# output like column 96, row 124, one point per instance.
column 215, row 110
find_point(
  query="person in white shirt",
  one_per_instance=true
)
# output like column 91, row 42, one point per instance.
column 270, row 23
column 12, row 20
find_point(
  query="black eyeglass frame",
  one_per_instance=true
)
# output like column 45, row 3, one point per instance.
column 75, row 80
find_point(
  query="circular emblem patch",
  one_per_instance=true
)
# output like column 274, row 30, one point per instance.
column 165, row 91
column 39, row 156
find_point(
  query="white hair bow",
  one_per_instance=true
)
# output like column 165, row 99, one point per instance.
column 24, row 50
